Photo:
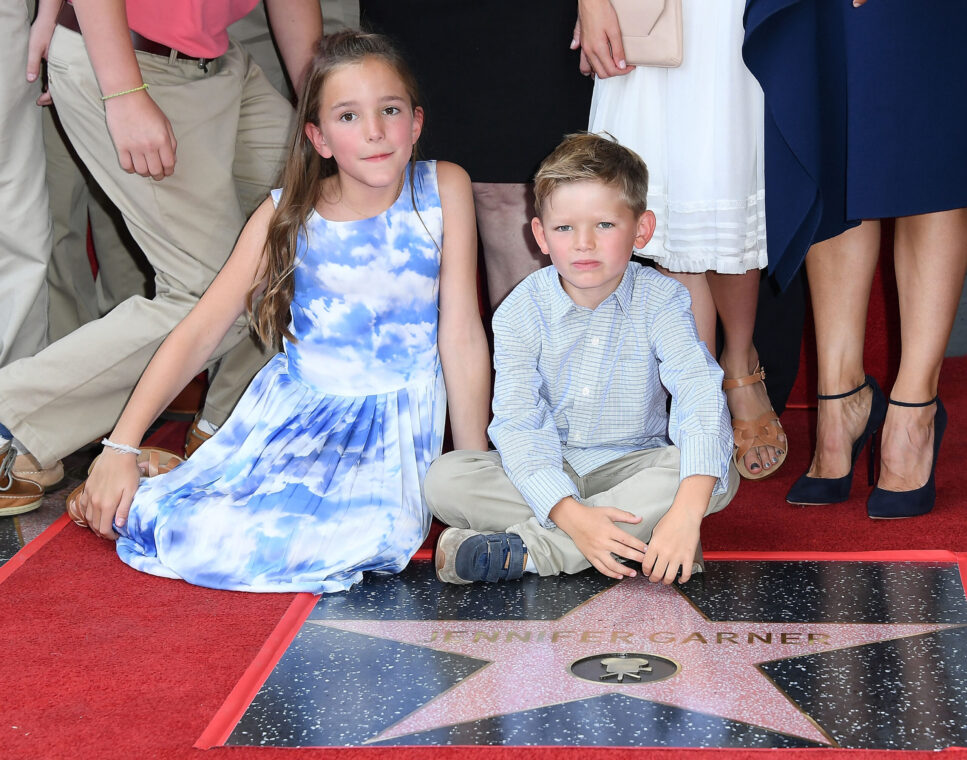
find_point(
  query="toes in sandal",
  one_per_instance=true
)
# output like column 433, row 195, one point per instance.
column 762, row 431
column 152, row 461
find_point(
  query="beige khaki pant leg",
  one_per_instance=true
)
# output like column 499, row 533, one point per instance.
column 25, row 235
column 186, row 225
column 265, row 126
column 469, row 489
column 76, row 297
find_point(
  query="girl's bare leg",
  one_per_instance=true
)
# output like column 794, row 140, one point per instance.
column 840, row 272
column 931, row 260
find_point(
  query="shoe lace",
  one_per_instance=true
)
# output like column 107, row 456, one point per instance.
column 6, row 469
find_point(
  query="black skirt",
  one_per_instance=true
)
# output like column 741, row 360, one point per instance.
column 499, row 83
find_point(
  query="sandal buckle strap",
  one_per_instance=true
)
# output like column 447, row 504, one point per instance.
column 757, row 376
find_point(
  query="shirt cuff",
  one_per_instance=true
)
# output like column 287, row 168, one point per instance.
column 545, row 488
column 706, row 455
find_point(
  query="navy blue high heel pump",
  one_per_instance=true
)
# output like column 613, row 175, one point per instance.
column 890, row 505
column 813, row 491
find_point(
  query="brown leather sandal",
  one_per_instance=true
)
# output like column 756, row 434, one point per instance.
column 762, row 431
column 74, row 509
column 152, row 461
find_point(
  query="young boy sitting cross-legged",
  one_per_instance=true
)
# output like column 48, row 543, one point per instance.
column 586, row 353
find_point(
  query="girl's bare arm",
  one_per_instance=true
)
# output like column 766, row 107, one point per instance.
column 463, row 344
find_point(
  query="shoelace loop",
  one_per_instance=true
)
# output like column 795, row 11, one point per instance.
column 6, row 469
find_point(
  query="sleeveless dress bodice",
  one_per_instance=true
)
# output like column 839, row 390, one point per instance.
column 316, row 477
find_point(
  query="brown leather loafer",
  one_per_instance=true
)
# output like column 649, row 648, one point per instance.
column 26, row 467
column 16, row 496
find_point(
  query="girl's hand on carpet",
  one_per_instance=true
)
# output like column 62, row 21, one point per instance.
column 108, row 492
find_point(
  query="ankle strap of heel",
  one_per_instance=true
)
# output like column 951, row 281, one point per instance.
column 909, row 403
column 833, row 396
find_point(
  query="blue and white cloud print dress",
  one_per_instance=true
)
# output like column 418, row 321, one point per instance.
column 316, row 477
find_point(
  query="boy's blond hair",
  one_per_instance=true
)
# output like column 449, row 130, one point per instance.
column 586, row 157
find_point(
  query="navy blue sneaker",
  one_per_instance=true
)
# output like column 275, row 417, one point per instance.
column 466, row 556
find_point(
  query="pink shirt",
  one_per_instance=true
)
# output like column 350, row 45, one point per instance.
column 195, row 27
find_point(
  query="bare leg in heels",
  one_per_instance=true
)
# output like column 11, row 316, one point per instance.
column 931, row 260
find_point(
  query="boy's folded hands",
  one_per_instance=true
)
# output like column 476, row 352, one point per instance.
column 671, row 549
column 595, row 533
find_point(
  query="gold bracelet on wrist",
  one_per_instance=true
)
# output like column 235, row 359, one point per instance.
column 124, row 92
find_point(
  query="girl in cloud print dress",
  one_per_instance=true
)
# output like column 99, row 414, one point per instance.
column 316, row 477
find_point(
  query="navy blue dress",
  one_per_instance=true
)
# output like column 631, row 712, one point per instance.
column 865, row 114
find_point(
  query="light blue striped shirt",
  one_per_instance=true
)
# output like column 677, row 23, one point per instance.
column 589, row 386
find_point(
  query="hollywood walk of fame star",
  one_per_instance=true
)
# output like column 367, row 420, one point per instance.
column 529, row 661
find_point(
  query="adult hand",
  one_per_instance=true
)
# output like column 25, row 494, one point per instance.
column 598, row 34
column 858, row 3
column 108, row 492
column 37, row 44
column 596, row 535
column 142, row 135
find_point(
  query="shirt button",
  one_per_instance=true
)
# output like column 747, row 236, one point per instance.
column 585, row 391
column 594, row 341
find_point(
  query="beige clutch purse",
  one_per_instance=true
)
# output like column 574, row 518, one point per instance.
column 651, row 31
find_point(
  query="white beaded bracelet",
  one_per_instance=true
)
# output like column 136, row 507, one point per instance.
column 122, row 447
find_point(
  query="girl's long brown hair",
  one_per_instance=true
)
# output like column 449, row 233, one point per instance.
column 303, row 174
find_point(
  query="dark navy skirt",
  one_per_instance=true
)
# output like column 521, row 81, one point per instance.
column 866, row 111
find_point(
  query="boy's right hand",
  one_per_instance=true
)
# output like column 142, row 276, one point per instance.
column 108, row 492
column 595, row 534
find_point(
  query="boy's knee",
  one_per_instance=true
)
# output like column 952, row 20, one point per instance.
column 454, row 482
column 439, row 486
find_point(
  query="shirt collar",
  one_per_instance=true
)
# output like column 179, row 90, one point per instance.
column 561, row 303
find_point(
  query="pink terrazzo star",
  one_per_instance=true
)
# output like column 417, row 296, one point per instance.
column 718, row 675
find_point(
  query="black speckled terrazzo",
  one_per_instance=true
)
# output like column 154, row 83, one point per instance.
column 617, row 721
column 770, row 654
column 416, row 594
column 9, row 540
column 919, row 682
column 854, row 592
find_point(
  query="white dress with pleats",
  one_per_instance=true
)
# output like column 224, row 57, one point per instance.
column 699, row 128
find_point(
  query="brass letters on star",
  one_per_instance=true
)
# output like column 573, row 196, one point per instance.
column 510, row 636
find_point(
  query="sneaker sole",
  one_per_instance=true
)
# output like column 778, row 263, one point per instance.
column 446, row 555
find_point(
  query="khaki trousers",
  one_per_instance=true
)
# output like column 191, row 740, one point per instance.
column 76, row 296
column 25, row 236
column 232, row 129
column 469, row 489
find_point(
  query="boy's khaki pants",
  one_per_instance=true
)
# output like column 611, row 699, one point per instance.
column 469, row 489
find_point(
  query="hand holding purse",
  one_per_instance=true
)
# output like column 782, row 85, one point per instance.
column 651, row 31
